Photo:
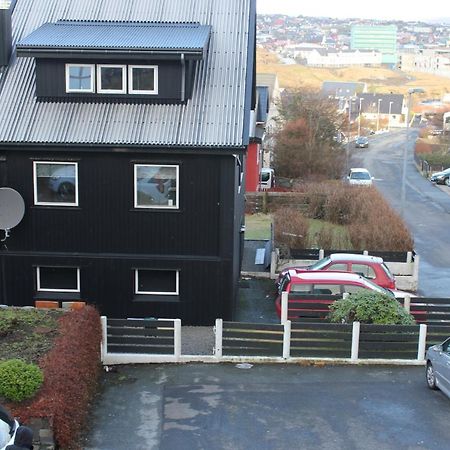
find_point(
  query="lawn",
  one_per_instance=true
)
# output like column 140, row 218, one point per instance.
column 257, row 227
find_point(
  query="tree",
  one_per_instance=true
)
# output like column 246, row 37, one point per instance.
column 306, row 144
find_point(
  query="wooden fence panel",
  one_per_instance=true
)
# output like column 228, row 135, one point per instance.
column 321, row 340
column 140, row 336
column 245, row 339
column 388, row 341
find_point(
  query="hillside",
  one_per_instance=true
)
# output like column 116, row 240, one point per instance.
column 378, row 79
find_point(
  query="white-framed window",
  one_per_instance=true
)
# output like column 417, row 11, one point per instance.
column 157, row 281
column 111, row 79
column 55, row 183
column 156, row 186
column 58, row 279
column 143, row 80
column 80, row 77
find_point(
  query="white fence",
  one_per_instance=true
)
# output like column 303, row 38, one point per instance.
column 284, row 339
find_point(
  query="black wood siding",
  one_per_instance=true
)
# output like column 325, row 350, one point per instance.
column 108, row 238
column 51, row 81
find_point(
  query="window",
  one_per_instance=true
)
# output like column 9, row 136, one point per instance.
column 55, row 183
column 338, row 266
column 58, row 279
column 143, row 79
column 111, row 79
column 353, row 289
column 327, row 289
column 301, row 288
column 79, row 78
column 364, row 270
column 157, row 282
column 156, row 186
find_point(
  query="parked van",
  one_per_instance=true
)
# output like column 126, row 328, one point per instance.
column 266, row 179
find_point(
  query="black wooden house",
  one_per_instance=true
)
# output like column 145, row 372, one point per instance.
column 124, row 126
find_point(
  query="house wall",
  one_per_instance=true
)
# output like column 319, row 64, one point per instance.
column 253, row 167
column 108, row 238
column 51, row 80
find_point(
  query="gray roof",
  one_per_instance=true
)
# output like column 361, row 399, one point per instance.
column 215, row 116
column 342, row 88
column 392, row 103
column 118, row 35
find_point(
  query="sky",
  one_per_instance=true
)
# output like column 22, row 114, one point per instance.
column 379, row 9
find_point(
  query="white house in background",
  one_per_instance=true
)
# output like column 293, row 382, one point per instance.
column 342, row 58
column 270, row 80
column 381, row 106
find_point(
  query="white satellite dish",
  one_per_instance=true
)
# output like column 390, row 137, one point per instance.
column 12, row 208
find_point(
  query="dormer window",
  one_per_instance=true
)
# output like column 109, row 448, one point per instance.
column 125, row 62
column 143, row 80
column 79, row 78
column 111, row 79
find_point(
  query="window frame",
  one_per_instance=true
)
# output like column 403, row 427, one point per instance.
column 38, row 280
column 112, row 91
column 177, row 187
column 67, row 71
column 130, row 79
column 177, row 283
column 35, row 192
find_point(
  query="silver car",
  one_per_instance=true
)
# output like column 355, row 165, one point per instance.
column 438, row 367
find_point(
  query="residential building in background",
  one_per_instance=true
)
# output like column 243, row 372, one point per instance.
column 382, row 38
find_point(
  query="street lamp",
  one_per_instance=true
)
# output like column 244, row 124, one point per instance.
column 405, row 148
column 350, row 100
column 359, row 118
column 389, row 119
column 378, row 114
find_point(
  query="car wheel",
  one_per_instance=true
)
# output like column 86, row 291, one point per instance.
column 447, row 181
column 431, row 377
column 66, row 190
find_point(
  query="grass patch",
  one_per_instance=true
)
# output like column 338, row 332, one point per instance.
column 27, row 334
column 339, row 237
column 257, row 226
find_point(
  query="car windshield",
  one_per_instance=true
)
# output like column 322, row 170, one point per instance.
column 360, row 176
column 377, row 288
column 265, row 176
column 387, row 271
column 320, row 264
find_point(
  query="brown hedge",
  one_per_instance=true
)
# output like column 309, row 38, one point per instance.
column 71, row 373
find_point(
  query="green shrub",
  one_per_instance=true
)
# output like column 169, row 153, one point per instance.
column 370, row 307
column 19, row 380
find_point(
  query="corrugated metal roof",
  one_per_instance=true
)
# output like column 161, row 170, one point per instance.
column 118, row 35
column 213, row 117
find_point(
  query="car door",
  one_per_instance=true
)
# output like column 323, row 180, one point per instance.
column 442, row 367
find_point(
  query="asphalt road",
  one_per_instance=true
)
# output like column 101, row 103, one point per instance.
column 427, row 208
column 269, row 407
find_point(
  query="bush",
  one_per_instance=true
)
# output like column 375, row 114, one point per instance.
column 19, row 380
column 71, row 373
column 291, row 228
column 370, row 307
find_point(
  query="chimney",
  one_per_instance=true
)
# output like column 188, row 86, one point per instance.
column 5, row 32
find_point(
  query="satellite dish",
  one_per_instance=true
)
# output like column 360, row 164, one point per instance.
column 12, row 208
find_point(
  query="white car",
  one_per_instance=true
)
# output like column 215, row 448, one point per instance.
column 8, row 427
column 359, row 177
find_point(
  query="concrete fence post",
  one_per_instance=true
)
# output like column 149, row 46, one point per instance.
column 355, row 340
column 218, row 330
column 365, row 252
column 345, row 295
column 273, row 264
column 284, row 307
column 177, row 338
column 422, row 342
column 321, row 253
column 415, row 274
column 104, row 343
column 409, row 257
column 287, row 339
column 407, row 303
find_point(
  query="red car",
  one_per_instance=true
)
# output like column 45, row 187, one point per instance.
column 303, row 287
column 370, row 267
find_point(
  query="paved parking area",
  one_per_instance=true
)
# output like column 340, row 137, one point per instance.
column 210, row 407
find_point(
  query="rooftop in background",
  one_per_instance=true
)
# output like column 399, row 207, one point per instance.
column 342, row 88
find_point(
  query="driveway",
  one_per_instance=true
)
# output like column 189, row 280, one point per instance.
column 427, row 208
column 266, row 407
